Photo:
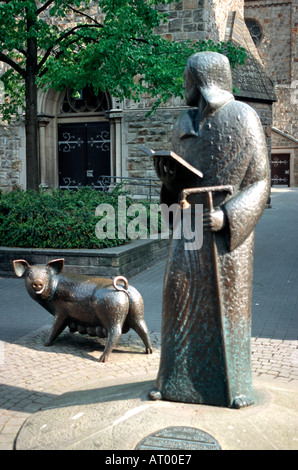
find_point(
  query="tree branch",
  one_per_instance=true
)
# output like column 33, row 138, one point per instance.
column 14, row 65
column 71, row 31
column 64, row 36
column 44, row 71
column 86, row 16
column 44, row 7
column 21, row 51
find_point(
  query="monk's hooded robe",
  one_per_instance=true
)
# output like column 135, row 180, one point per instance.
column 205, row 352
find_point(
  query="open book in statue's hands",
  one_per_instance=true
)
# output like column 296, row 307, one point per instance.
column 173, row 155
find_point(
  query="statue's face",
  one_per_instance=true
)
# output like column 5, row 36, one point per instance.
column 191, row 91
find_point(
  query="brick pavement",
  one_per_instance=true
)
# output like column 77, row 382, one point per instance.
column 32, row 375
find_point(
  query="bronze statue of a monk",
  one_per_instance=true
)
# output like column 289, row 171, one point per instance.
column 206, row 315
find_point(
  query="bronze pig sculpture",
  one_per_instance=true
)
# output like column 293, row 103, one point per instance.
column 90, row 305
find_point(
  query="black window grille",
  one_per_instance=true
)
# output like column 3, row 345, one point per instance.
column 84, row 101
column 255, row 30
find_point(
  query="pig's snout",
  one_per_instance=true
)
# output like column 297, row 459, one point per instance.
column 38, row 286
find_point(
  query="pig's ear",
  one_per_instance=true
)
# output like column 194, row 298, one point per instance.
column 20, row 266
column 57, row 265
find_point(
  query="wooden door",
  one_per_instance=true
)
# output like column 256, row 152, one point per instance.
column 280, row 169
column 83, row 153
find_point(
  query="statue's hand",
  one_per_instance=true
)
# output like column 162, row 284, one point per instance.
column 166, row 171
column 214, row 220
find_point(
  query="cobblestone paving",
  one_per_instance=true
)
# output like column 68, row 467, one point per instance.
column 32, row 375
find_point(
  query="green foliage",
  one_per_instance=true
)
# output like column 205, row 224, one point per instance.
column 57, row 219
column 120, row 53
column 164, row 79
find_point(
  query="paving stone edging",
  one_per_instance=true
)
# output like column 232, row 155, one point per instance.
column 128, row 260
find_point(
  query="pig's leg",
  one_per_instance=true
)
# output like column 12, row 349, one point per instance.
column 135, row 318
column 140, row 328
column 58, row 326
column 113, row 336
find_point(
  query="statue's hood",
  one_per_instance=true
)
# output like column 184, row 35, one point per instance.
column 212, row 74
column 215, row 98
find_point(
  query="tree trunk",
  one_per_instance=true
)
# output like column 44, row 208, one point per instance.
column 31, row 124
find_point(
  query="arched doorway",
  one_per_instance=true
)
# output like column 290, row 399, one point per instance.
column 80, row 137
column 84, row 142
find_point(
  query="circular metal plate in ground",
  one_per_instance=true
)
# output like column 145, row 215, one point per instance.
column 179, row 438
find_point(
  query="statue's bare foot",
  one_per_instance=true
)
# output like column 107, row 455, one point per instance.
column 155, row 395
column 242, row 402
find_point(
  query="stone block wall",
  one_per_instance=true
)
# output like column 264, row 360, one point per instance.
column 198, row 19
column 264, row 111
column 275, row 46
column 188, row 19
column 219, row 11
column 11, row 162
column 154, row 132
column 127, row 260
column 285, row 110
column 279, row 52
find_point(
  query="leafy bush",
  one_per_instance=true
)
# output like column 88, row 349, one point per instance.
column 57, row 219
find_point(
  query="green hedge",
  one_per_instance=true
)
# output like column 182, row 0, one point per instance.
column 57, row 219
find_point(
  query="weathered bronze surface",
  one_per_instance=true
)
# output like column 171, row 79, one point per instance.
column 206, row 316
column 179, row 438
column 90, row 305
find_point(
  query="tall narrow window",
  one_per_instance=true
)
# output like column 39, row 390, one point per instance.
column 255, row 30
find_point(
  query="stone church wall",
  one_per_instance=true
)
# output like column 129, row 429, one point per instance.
column 11, row 163
column 11, row 156
column 192, row 19
column 198, row 19
column 279, row 52
column 188, row 19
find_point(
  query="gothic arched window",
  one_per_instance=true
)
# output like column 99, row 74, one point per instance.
column 255, row 30
column 84, row 101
